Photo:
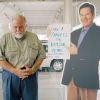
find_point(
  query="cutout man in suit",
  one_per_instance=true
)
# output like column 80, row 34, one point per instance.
column 81, row 71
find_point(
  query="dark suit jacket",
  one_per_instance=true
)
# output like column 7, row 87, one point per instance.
column 83, row 67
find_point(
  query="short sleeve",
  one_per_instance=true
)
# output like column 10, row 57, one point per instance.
column 42, row 54
column 2, row 48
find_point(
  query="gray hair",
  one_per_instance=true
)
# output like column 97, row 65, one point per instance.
column 21, row 17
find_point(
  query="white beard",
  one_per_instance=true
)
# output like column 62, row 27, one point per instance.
column 18, row 35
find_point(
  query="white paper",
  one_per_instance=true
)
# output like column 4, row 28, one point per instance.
column 58, row 41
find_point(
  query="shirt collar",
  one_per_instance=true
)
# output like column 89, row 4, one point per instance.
column 86, row 28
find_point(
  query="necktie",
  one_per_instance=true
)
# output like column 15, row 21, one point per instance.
column 82, row 35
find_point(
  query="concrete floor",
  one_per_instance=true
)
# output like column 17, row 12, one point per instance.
column 50, row 87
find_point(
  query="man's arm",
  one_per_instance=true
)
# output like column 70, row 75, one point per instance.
column 6, row 66
column 36, row 65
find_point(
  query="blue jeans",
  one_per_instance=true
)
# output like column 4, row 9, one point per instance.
column 15, row 88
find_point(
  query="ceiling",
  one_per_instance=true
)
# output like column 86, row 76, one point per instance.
column 37, row 13
column 28, row 0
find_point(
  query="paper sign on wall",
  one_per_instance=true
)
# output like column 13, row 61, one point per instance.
column 59, row 40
